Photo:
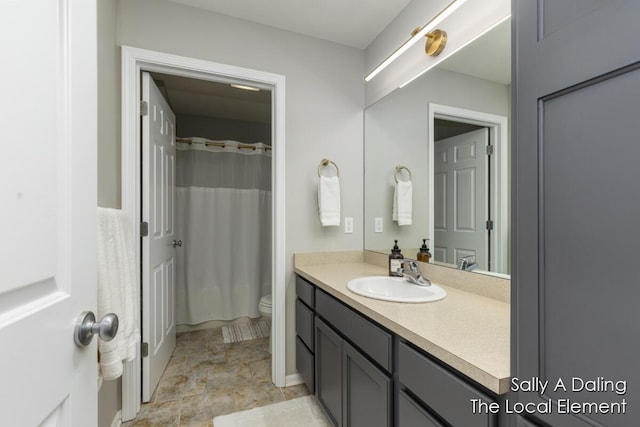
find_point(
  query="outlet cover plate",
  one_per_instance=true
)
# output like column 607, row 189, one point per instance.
column 348, row 225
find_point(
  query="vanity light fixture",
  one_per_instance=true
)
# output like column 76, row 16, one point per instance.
column 244, row 87
column 459, row 48
column 435, row 38
column 436, row 41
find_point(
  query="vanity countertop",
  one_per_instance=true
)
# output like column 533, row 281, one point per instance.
column 468, row 332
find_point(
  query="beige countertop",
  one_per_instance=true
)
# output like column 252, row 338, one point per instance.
column 468, row 332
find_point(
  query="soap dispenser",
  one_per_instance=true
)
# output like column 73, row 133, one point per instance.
column 424, row 255
column 395, row 260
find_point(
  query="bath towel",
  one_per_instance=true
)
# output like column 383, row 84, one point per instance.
column 329, row 200
column 403, row 203
column 117, row 289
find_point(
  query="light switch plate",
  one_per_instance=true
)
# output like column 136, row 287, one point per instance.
column 378, row 225
column 348, row 225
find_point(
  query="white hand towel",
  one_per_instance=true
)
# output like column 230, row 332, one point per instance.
column 117, row 289
column 403, row 203
column 329, row 201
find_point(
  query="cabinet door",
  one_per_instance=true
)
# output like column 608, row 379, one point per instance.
column 329, row 371
column 304, row 324
column 522, row 422
column 305, row 364
column 367, row 391
column 576, row 205
column 411, row 414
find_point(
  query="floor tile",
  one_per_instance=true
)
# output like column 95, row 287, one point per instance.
column 206, row 377
column 295, row 391
column 181, row 386
column 202, row 408
column 229, row 376
column 255, row 395
column 157, row 414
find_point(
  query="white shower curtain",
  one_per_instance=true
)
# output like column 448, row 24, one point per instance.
column 223, row 217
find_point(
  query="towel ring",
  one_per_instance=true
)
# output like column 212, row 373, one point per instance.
column 398, row 170
column 324, row 163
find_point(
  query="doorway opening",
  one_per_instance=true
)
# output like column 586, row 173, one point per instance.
column 468, row 152
column 223, row 199
column 134, row 63
column 462, row 195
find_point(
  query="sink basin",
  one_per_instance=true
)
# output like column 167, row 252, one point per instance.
column 395, row 289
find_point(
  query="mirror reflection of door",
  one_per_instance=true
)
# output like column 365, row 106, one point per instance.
column 461, row 194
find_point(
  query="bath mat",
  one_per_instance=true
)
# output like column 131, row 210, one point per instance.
column 246, row 331
column 303, row 411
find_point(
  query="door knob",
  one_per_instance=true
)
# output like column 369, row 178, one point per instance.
column 177, row 243
column 87, row 327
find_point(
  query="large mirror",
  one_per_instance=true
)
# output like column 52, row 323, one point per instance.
column 447, row 133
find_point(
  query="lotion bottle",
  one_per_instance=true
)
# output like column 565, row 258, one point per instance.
column 424, row 255
column 395, row 260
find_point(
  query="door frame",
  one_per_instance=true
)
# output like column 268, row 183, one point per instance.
column 136, row 60
column 499, row 172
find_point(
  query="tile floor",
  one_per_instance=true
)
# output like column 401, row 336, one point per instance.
column 206, row 378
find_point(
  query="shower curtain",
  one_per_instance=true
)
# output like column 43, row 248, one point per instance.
column 223, row 217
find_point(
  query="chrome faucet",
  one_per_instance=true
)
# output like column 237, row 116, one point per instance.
column 467, row 263
column 413, row 274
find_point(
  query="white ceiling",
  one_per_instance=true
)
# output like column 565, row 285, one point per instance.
column 487, row 58
column 353, row 23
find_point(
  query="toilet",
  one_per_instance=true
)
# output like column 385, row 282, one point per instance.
column 264, row 307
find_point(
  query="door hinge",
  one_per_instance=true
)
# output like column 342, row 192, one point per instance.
column 489, row 225
column 144, row 349
column 144, row 108
column 489, row 150
column 144, row 229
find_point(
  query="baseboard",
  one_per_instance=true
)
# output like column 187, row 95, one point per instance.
column 117, row 420
column 293, row 379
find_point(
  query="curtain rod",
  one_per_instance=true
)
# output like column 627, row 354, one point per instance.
column 219, row 144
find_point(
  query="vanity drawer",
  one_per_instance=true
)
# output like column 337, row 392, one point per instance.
column 304, row 324
column 305, row 291
column 411, row 414
column 442, row 391
column 370, row 338
column 305, row 365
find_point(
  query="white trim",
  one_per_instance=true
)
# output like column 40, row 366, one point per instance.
column 499, row 134
column 134, row 60
column 131, row 387
column 117, row 420
column 293, row 379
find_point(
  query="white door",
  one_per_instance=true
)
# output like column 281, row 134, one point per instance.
column 47, row 211
column 460, row 198
column 158, row 252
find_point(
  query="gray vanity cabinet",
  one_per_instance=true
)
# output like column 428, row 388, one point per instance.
column 365, row 376
column 412, row 414
column 447, row 396
column 352, row 389
column 329, row 371
column 366, row 391
column 305, row 332
column 576, row 208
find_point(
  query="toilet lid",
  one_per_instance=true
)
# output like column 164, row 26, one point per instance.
column 266, row 300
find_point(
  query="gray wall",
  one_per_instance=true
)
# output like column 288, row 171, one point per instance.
column 222, row 129
column 109, row 395
column 397, row 132
column 109, row 401
column 108, row 106
column 324, row 109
